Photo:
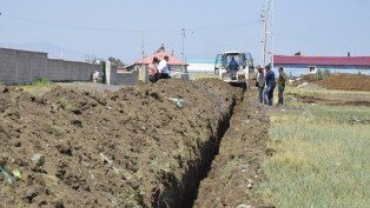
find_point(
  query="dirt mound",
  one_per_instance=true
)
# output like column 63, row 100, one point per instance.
column 352, row 82
column 326, row 101
column 132, row 148
column 308, row 78
column 143, row 146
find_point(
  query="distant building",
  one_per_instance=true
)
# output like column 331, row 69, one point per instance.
column 201, row 66
column 175, row 64
column 310, row 64
column 122, row 69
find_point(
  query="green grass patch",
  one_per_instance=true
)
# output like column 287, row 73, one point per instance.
column 43, row 82
column 55, row 130
column 66, row 104
column 321, row 159
column 38, row 87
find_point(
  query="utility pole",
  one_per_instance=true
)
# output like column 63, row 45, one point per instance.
column 142, row 45
column 267, row 36
column 183, row 33
column 263, row 40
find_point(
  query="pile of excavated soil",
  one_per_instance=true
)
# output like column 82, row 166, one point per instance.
column 143, row 146
column 352, row 82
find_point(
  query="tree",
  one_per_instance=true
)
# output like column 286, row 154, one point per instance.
column 319, row 74
column 326, row 73
column 116, row 61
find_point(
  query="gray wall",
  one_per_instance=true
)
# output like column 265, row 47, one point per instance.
column 127, row 79
column 23, row 67
column 60, row 70
column 19, row 67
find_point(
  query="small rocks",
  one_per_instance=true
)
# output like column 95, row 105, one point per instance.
column 31, row 193
column 38, row 159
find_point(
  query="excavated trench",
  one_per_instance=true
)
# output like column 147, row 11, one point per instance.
column 184, row 194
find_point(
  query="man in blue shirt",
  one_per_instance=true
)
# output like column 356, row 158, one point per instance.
column 233, row 65
column 270, row 85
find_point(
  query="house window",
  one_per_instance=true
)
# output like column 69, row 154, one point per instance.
column 312, row 69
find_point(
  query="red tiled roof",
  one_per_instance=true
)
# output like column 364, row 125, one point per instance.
column 160, row 55
column 340, row 61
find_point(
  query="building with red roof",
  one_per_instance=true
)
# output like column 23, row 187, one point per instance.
column 348, row 64
column 323, row 61
column 175, row 64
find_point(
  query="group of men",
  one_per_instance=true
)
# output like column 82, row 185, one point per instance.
column 159, row 69
column 266, row 83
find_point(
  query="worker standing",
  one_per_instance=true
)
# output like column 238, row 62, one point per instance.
column 270, row 85
column 260, row 84
column 281, row 86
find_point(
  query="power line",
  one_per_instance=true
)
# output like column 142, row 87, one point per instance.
column 226, row 26
column 55, row 24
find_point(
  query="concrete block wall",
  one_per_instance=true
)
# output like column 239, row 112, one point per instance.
column 60, row 70
column 127, row 79
column 23, row 67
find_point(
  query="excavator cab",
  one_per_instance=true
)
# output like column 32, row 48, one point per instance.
column 227, row 72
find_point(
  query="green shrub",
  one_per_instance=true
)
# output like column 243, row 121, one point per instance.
column 65, row 104
column 43, row 82
column 319, row 74
column 326, row 73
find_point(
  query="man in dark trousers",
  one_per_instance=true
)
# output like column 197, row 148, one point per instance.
column 270, row 85
column 281, row 86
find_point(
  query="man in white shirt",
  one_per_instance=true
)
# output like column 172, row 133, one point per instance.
column 164, row 70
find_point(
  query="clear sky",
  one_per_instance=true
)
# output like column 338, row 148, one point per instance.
column 120, row 28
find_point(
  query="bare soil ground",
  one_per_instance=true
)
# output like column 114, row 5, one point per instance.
column 143, row 146
column 348, row 82
column 353, row 82
column 344, row 82
column 328, row 101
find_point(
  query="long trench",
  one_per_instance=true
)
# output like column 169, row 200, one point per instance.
column 183, row 194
